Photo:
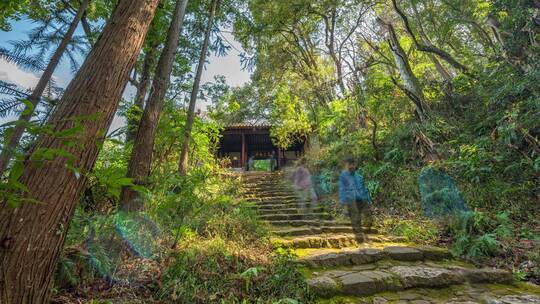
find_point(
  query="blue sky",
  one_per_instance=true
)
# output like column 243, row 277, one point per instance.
column 229, row 65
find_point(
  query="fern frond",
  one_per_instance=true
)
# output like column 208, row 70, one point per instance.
column 11, row 89
column 9, row 107
column 26, row 62
column 73, row 62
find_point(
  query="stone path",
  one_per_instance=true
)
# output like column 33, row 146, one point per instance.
column 381, row 269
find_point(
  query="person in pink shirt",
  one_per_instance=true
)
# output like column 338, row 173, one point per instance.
column 303, row 184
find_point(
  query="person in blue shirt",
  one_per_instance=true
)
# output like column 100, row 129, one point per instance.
column 354, row 195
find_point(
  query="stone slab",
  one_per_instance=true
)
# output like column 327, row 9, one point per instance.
column 366, row 283
column 402, row 253
column 422, row 276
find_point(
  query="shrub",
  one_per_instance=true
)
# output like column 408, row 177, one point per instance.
column 416, row 230
column 477, row 235
column 219, row 271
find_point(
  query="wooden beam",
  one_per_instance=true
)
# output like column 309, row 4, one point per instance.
column 243, row 153
column 280, row 158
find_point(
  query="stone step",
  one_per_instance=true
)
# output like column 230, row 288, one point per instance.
column 268, row 194
column 258, row 205
column 315, row 223
column 266, row 188
column 256, row 197
column 262, row 181
column 298, row 216
column 342, row 240
column 352, row 257
column 300, row 231
column 272, row 201
column 264, row 211
column 397, row 278
column 275, row 208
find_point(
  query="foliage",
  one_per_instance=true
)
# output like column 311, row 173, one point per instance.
column 290, row 122
column 216, row 270
column 415, row 230
column 478, row 235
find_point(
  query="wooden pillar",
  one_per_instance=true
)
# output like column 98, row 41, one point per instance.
column 243, row 156
column 279, row 158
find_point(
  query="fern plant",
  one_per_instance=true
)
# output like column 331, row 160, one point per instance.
column 478, row 235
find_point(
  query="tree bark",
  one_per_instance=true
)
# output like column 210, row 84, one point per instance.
column 330, row 24
column 411, row 86
column 142, row 89
column 32, row 234
column 16, row 133
column 141, row 155
column 183, row 163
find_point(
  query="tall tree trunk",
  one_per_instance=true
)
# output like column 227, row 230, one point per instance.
column 32, row 234
column 16, row 133
column 142, row 89
column 330, row 45
column 183, row 163
column 141, row 155
column 411, row 86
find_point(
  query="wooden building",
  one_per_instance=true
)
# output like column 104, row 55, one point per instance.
column 241, row 141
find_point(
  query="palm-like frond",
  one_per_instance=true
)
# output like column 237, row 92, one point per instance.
column 11, row 89
column 30, row 63
column 13, row 94
column 10, row 106
column 46, row 36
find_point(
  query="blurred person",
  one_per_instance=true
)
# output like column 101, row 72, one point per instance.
column 251, row 161
column 304, row 186
column 354, row 196
column 273, row 161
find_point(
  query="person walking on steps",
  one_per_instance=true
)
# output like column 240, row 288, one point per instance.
column 273, row 161
column 251, row 162
column 354, row 195
column 304, row 186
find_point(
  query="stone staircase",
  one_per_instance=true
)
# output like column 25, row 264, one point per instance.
column 380, row 269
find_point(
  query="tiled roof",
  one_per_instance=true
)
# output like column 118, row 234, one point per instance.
column 248, row 125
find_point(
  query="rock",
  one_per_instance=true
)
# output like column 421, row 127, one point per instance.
column 379, row 300
column 435, row 253
column 337, row 273
column 364, row 267
column 421, row 276
column 363, row 256
column 487, row 275
column 401, row 253
column 420, row 302
column 345, row 258
column 515, row 299
column 324, row 286
column 328, row 259
column 409, row 296
column 366, row 283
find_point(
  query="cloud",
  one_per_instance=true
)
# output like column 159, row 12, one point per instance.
column 11, row 73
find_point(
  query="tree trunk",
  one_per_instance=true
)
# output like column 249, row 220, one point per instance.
column 16, row 133
column 141, row 155
column 32, row 234
column 411, row 86
column 183, row 163
column 142, row 89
